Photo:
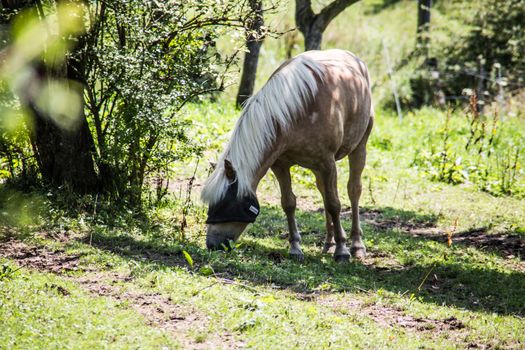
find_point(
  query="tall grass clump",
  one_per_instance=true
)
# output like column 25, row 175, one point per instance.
column 476, row 149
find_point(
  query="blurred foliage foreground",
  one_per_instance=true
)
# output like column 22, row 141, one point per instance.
column 91, row 91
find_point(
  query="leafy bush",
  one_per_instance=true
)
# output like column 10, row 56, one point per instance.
column 144, row 63
column 476, row 149
column 139, row 63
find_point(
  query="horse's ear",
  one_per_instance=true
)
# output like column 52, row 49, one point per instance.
column 228, row 170
column 213, row 165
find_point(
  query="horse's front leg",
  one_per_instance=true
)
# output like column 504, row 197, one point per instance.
column 288, row 202
column 328, row 177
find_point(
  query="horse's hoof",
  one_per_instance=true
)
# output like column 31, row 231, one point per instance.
column 328, row 248
column 358, row 252
column 342, row 259
column 299, row 257
column 341, row 255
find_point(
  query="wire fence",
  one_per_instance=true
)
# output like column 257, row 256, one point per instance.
column 490, row 86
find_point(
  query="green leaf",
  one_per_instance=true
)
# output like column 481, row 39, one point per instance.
column 188, row 258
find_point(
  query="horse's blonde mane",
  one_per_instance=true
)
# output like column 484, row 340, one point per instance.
column 285, row 96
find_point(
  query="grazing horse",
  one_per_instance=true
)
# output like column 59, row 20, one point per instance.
column 315, row 109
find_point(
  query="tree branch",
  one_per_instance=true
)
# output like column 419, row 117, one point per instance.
column 331, row 11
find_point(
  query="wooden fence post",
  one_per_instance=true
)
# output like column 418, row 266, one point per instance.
column 392, row 81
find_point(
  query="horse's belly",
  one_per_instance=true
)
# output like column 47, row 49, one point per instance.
column 309, row 149
column 350, row 141
column 311, row 159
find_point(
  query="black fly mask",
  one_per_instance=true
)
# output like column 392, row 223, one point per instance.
column 231, row 208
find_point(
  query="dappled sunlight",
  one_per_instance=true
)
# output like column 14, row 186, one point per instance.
column 12, row 121
column 61, row 100
column 398, row 262
column 33, row 37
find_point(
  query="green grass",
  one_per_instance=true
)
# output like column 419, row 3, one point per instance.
column 392, row 177
column 44, row 311
column 413, row 291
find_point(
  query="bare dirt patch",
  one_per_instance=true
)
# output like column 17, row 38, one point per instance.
column 178, row 187
column 186, row 324
column 388, row 316
column 40, row 258
column 377, row 219
column 506, row 244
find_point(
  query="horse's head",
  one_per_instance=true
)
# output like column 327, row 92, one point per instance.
column 228, row 218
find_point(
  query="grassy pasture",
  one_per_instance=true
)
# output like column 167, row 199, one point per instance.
column 412, row 291
column 445, row 266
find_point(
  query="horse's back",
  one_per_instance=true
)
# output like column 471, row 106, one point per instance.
column 338, row 116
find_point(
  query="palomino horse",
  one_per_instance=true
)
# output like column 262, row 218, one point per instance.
column 314, row 110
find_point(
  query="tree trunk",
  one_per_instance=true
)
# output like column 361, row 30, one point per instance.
column 254, row 42
column 312, row 25
column 423, row 25
column 64, row 155
column 313, row 38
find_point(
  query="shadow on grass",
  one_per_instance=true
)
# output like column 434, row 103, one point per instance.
column 506, row 245
column 397, row 262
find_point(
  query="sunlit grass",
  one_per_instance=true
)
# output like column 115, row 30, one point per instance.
column 258, row 294
column 44, row 311
column 255, row 292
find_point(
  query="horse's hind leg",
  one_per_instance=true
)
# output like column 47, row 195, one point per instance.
column 329, row 242
column 357, row 160
column 328, row 176
column 282, row 173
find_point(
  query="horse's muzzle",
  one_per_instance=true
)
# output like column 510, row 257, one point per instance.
column 221, row 236
column 218, row 243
